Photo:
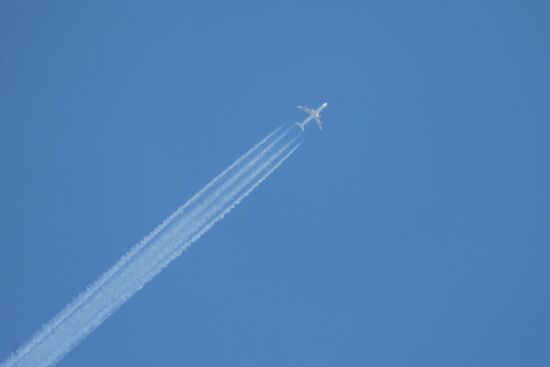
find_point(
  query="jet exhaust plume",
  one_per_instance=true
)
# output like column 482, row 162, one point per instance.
column 156, row 251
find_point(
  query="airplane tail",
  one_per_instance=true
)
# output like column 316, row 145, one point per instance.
column 301, row 126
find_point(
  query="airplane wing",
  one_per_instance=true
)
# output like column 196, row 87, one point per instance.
column 319, row 123
column 306, row 109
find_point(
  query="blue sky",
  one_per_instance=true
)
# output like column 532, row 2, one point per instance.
column 412, row 231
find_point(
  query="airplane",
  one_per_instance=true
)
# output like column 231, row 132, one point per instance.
column 314, row 114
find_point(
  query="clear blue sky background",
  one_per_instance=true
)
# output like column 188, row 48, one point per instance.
column 413, row 231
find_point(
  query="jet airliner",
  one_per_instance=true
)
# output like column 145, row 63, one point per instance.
column 314, row 114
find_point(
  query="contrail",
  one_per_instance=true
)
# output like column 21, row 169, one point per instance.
column 226, row 175
column 164, row 244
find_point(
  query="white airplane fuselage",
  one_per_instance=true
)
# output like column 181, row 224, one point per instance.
column 314, row 114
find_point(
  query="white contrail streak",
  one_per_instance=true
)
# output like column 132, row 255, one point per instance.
column 91, row 289
column 146, row 259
